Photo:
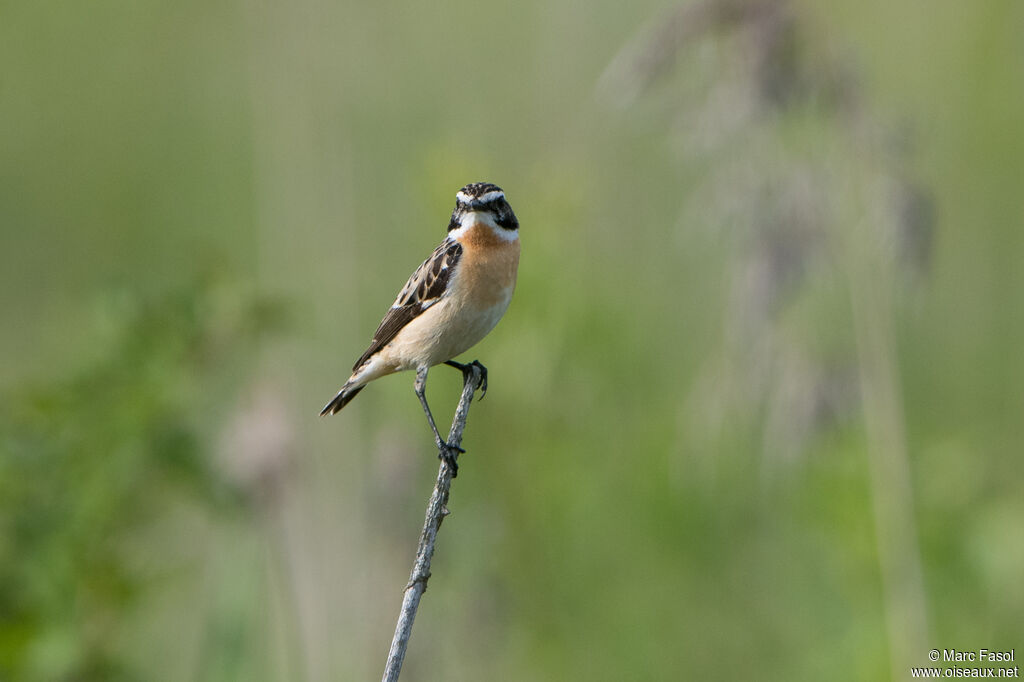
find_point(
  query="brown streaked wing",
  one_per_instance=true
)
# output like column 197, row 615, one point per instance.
column 423, row 289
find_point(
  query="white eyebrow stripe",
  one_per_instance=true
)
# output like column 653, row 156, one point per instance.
column 490, row 196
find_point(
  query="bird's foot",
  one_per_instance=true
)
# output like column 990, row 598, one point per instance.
column 468, row 369
column 449, row 454
column 483, row 377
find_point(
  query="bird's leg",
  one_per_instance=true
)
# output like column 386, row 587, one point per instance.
column 445, row 451
column 466, row 370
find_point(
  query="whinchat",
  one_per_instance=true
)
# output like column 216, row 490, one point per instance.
column 450, row 302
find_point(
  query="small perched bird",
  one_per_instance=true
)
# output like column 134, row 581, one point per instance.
column 450, row 302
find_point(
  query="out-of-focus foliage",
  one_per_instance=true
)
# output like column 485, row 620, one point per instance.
column 754, row 412
column 90, row 465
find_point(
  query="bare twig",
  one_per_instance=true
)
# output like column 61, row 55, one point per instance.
column 436, row 511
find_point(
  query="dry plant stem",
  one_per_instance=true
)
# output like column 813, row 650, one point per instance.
column 436, row 511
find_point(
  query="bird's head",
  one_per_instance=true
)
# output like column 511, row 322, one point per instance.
column 484, row 202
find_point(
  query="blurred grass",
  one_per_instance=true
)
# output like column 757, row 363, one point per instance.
column 643, row 497
column 92, row 464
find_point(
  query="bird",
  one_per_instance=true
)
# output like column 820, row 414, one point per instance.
column 448, row 305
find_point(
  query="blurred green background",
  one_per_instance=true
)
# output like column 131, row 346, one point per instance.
column 755, row 411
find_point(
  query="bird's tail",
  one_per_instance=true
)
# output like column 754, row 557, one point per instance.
column 339, row 401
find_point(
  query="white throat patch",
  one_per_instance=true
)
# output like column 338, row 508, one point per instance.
column 471, row 218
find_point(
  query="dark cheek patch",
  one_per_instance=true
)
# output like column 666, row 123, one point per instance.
column 505, row 217
column 454, row 223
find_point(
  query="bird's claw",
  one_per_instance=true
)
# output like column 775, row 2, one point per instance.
column 483, row 377
column 445, row 447
column 449, row 454
column 467, row 371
